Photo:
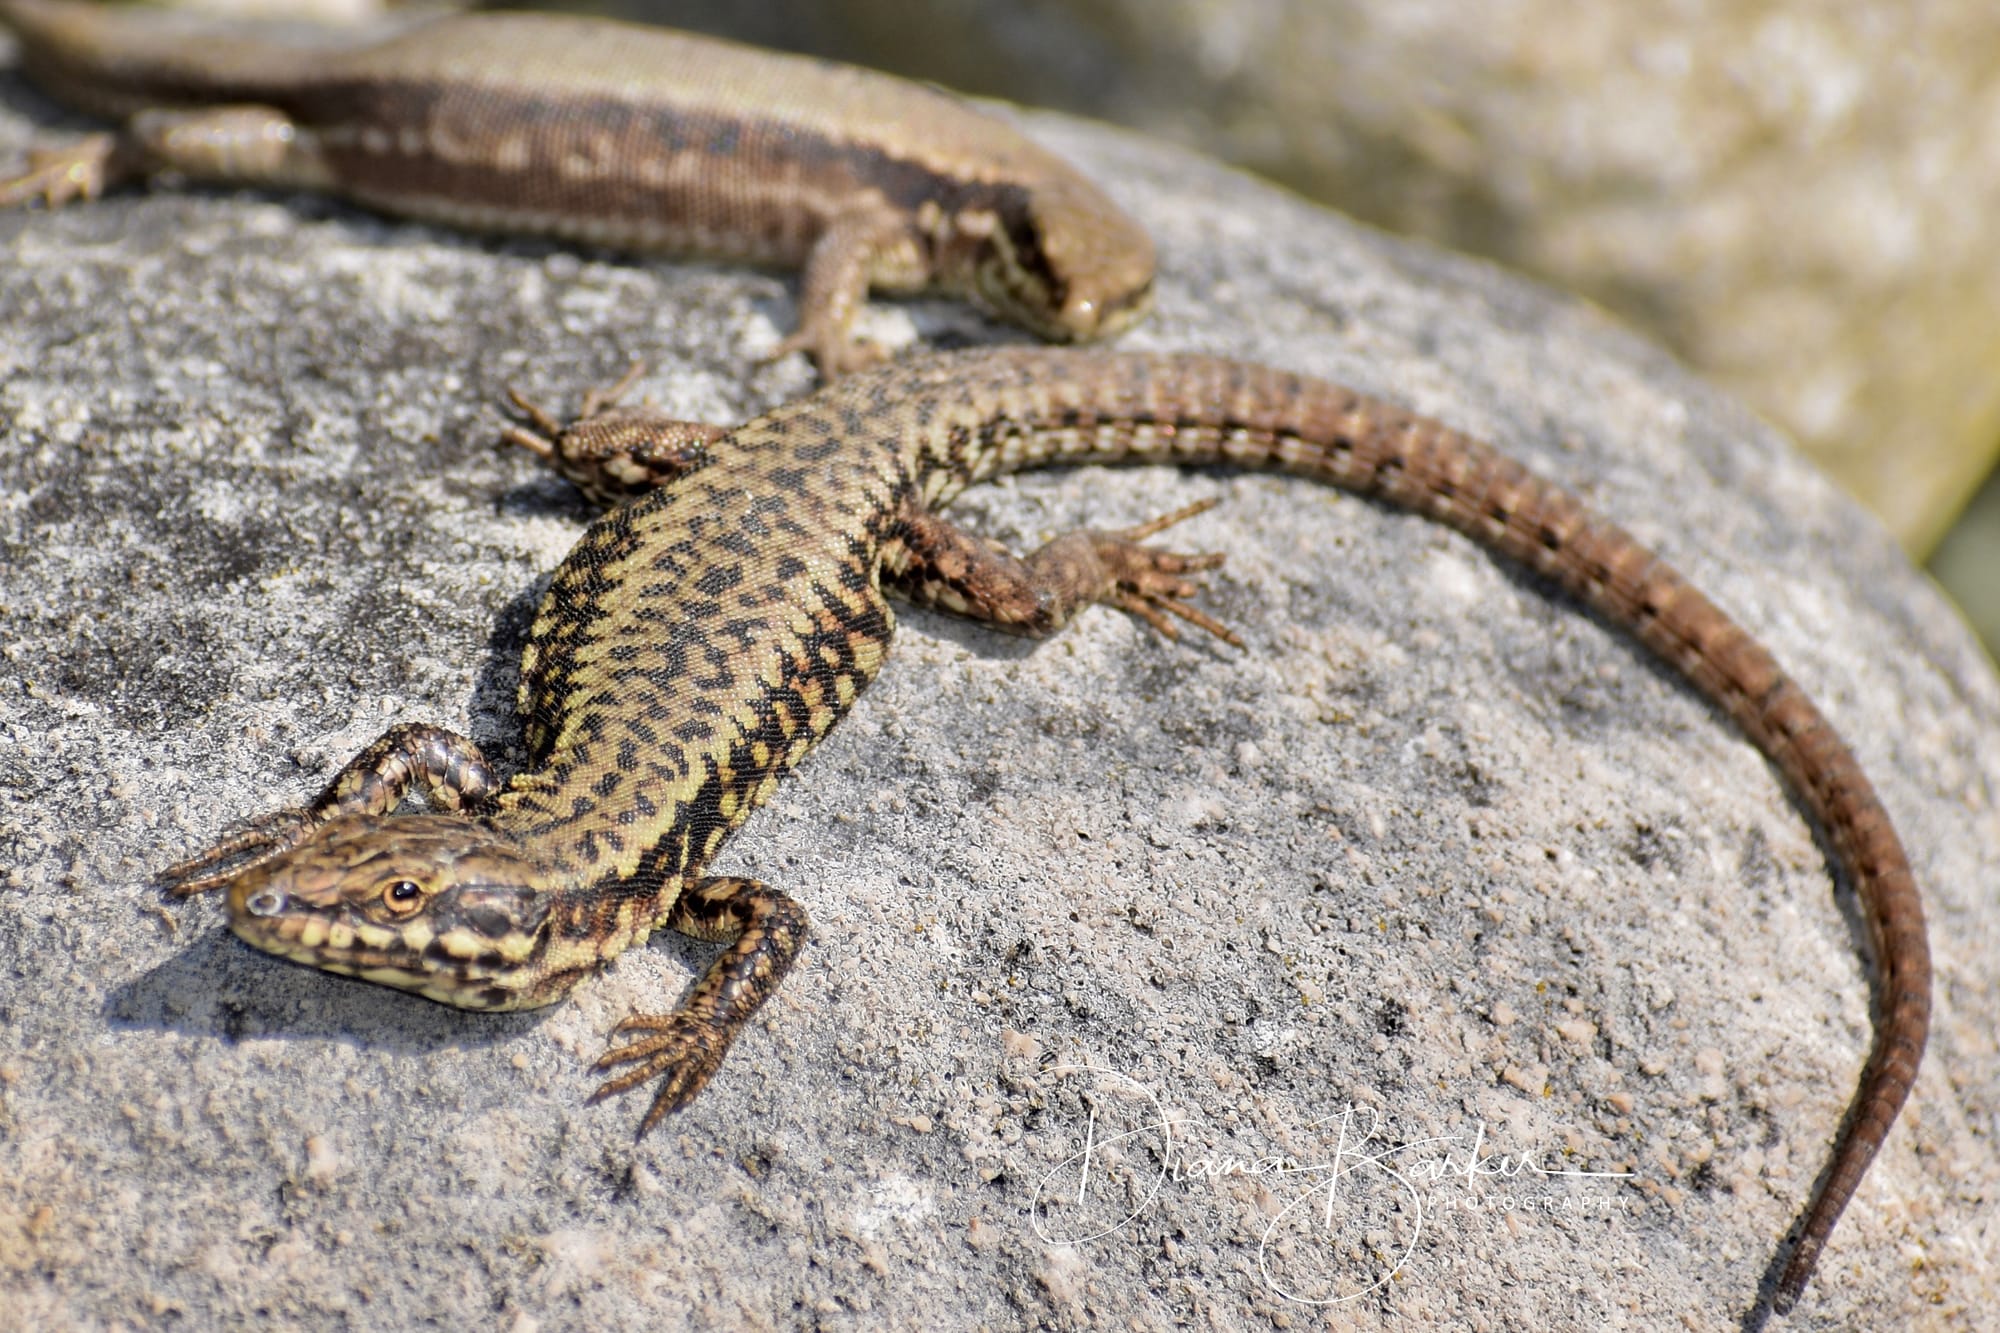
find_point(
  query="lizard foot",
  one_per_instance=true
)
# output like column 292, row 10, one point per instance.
column 935, row 563
column 612, row 452
column 683, row 1051
column 835, row 353
column 1149, row 583
column 58, row 175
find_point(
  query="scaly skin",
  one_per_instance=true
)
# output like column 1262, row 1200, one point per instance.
column 607, row 134
column 703, row 637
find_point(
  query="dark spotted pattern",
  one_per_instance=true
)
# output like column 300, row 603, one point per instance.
column 700, row 639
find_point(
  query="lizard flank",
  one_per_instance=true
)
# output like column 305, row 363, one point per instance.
column 607, row 134
column 701, row 638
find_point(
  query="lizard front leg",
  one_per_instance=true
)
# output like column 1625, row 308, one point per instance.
column 765, row 931
column 861, row 248
column 258, row 145
column 452, row 772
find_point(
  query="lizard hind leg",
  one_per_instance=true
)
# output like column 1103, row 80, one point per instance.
column 765, row 930
column 611, row 452
column 259, row 145
column 935, row 563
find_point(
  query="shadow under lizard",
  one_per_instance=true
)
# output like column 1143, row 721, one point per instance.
column 702, row 637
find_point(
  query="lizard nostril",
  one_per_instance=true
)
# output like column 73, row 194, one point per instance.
column 268, row 902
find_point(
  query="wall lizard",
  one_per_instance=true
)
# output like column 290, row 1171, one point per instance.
column 703, row 636
column 605, row 133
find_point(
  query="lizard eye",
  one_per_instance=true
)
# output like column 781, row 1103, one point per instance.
column 403, row 895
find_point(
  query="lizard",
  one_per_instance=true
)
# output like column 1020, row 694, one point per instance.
column 603, row 133
column 717, row 621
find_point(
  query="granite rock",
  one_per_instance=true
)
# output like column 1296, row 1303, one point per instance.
column 1433, row 851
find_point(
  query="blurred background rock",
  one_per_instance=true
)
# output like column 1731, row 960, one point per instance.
column 1795, row 195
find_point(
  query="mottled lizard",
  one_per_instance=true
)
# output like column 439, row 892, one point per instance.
column 606, row 133
column 702, row 637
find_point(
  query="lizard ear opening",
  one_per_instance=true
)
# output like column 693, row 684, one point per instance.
column 1009, row 271
column 492, row 911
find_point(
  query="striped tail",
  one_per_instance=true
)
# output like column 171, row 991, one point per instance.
column 1028, row 408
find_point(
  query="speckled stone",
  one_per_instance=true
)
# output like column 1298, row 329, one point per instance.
column 1433, row 850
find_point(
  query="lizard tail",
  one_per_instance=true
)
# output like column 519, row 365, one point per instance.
column 1039, row 409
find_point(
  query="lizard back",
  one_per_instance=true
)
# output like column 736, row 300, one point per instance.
column 629, row 136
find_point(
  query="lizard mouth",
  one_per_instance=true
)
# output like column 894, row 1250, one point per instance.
column 330, row 940
column 473, row 946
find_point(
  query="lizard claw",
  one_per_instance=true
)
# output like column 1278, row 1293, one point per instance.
column 263, row 839
column 1147, row 582
column 545, row 438
column 683, row 1052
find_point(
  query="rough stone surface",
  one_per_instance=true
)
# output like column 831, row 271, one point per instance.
column 1432, row 847
column 1795, row 195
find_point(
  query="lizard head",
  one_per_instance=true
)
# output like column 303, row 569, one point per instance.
column 440, row 905
column 1064, row 262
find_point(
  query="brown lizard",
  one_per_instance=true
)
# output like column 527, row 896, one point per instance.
column 702, row 637
column 608, row 134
